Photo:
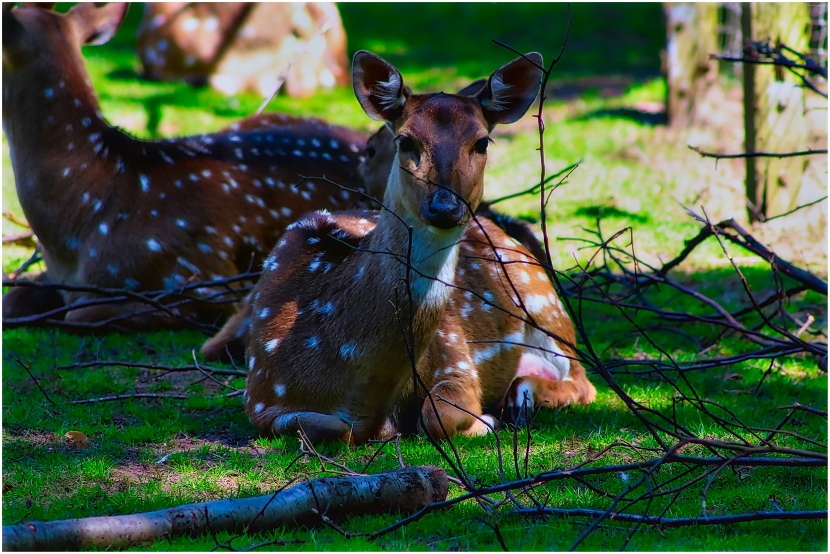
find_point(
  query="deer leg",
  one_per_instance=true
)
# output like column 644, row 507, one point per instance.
column 533, row 388
column 442, row 417
column 231, row 339
column 318, row 427
column 28, row 301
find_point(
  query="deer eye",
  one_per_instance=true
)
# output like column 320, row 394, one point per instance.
column 370, row 152
column 481, row 145
column 406, row 144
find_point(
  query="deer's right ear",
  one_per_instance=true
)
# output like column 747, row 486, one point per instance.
column 473, row 88
column 15, row 39
column 378, row 86
column 98, row 25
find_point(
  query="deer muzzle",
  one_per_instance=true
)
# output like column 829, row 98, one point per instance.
column 443, row 209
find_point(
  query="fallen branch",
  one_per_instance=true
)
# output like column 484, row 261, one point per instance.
column 779, row 155
column 667, row 522
column 747, row 241
column 402, row 490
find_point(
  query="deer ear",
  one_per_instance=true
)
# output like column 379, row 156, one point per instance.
column 472, row 88
column 378, row 86
column 98, row 25
column 15, row 39
column 511, row 90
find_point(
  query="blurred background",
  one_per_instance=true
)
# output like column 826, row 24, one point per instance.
column 635, row 88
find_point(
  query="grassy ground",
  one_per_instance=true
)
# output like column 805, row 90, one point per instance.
column 143, row 455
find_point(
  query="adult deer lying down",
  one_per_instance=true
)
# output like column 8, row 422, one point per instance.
column 347, row 301
column 116, row 212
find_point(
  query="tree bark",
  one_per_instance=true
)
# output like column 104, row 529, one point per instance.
column 405, row 490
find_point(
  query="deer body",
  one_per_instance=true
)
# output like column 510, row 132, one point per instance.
column 118, row 212
column 238, row 46
column 350, row 305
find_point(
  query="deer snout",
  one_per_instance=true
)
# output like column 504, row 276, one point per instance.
column 443, row 209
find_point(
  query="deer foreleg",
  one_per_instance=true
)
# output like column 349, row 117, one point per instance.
column 454, row 408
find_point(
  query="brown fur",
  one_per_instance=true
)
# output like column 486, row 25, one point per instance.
column 114, row 211
column 349, row 302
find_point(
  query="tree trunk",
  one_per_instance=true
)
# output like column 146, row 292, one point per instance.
column 691, row 31
column 773, row 109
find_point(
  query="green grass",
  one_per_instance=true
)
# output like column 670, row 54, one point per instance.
column 632, row 173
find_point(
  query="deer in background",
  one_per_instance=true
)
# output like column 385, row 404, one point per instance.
column 113, row 211
column 238, row 46
column 351, row 304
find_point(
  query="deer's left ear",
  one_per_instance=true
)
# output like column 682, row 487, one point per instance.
column 98, row 25
column 378, row 86
column 511, row 89
column 15, row 37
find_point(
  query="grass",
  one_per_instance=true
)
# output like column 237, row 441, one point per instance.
column 149, row 454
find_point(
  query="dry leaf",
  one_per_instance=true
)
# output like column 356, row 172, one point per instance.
column 77, row 438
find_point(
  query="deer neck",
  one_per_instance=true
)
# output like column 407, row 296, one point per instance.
column 53, row 123
column 419, row 273
column 62, row 150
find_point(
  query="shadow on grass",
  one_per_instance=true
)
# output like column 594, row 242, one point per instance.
column 610, row 212
column 643, row 117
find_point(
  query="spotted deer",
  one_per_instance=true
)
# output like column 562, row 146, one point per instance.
column 237, row 46
column 114, row 211
column 352, row 305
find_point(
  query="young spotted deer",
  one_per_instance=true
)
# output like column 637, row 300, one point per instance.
column 348, row 301
column 112, row 211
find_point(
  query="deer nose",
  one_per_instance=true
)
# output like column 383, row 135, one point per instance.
column 442, row 209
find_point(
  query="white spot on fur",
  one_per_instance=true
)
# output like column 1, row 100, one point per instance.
column 270, row 263
column 536, row 303
column 271, row 345
column 485, row 354
column 348, row 351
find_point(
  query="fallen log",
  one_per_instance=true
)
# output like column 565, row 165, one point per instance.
column 403, row 490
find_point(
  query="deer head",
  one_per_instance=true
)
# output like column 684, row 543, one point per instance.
column 442, row 139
